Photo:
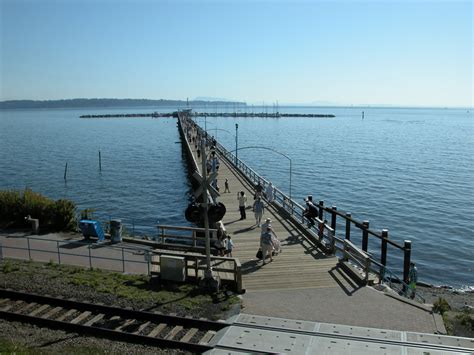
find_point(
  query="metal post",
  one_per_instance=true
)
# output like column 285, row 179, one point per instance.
column 406, row 260
column 236, row 143
column 29, row 250
column 59, row 253
column 290, row 178
column 365, row 235
column 333, row 218
column 208, row 272
column 348, row 225
column 123, row 261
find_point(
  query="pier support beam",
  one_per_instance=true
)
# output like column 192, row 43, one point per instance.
column 348, row 225
column 365, row 235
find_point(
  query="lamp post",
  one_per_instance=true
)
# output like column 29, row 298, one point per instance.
column 236, row 143
column 273, row 150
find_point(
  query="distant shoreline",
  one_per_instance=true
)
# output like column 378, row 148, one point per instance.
column 146, row 103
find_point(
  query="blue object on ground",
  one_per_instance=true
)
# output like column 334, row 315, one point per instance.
column 90, row 228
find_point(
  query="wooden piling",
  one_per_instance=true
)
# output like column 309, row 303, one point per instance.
column 100, row 162
column 348, row 225
column 406, row 260
column 65, row 172
column 333, row 218
column 321, row 210
column 365, row 235
column 383, row 254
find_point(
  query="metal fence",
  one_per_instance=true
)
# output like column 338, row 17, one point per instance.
column 124, row 259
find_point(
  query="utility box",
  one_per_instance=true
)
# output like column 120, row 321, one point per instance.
column 173, row 268
column 116, row 230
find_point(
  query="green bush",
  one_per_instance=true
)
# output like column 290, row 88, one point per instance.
column 441, row 306
column 15, row 205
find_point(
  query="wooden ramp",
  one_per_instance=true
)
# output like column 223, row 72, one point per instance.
column 300, row 265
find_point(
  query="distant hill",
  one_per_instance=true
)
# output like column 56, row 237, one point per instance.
column 88, row 103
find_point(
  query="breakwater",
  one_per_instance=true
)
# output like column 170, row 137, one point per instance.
column 212, row 114
column 131, row 115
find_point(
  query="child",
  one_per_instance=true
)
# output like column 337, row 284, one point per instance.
column 230, row 246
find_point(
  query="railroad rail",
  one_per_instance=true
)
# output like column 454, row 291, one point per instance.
column 142, row 327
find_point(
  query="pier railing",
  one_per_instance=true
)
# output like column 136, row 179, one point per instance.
column 329, row 239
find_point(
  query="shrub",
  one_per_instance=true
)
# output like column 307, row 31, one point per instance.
column 441, row 306
column 15, row 205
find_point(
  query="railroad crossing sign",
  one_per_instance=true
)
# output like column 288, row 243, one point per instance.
column 205, row 183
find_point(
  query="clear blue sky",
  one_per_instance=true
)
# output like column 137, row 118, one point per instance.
column 373, row 52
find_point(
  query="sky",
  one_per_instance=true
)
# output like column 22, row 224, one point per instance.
column 407, row 53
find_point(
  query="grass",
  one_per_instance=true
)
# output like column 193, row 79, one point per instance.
column 187, row 297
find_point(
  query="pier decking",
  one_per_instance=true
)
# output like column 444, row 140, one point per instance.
column 299, row 256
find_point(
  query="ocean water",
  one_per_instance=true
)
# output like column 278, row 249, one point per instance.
column 406, row 170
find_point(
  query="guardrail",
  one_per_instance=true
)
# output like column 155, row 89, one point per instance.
column 328, row 238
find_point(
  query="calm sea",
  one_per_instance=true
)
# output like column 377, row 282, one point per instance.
column 407, row 170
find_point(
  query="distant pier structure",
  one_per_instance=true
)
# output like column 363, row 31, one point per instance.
column 211, row 114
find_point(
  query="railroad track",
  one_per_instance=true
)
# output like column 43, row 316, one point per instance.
column 109, row 322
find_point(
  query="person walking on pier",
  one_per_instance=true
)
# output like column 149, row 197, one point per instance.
column 259, row 209
column 229, row 246
column 270, row 192
column 242, row 204
column 266, row 244
column 265, row 225
column 311, row 212
column 258, row 190
column 226, row 185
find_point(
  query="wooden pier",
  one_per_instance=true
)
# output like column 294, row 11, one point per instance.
column 307, row 253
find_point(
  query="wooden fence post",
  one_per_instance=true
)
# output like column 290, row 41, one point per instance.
column 321, row 210
column 383, row 254
column 406, row 260
column 348, row 225
column 365, row 235
column 333, row 218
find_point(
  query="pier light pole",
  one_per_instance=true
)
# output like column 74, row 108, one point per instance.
column 236, row 143
column 273, row 150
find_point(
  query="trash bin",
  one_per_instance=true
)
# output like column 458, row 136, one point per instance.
column 116, row 230
column 90, row 228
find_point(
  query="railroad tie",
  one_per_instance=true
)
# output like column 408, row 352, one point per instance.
column 189, row 335
column 157, row 330
column 141, row 328
column 29, row 306
column 124, row 325
column 67, row 314
column 174, row 332
column 7, row 308
column 207, row 337
column 39, row 310
column 80, row 317
column 4, row 300
column 52, row 312
column 94, row 320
